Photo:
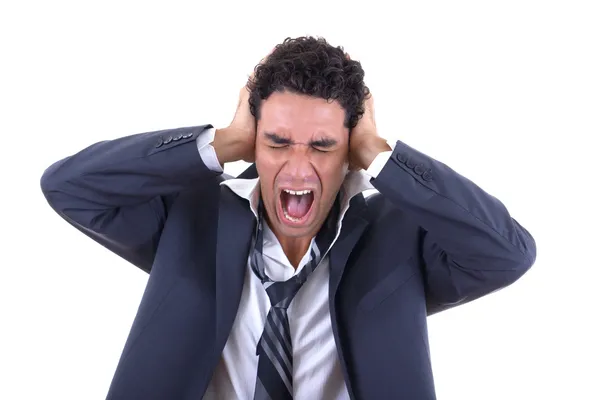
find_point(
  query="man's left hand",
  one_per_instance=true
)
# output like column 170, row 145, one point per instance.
column 365, row 143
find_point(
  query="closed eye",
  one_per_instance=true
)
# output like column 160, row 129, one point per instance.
column 277, row 141
column 323, row 145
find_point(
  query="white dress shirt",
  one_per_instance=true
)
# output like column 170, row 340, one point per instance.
column 317, row 372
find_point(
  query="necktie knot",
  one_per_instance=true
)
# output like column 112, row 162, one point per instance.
column 281, row 294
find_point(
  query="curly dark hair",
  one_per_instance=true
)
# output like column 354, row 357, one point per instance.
column 311, row 66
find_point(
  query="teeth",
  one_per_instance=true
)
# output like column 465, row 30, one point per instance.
column 297, row 192
column 289, row 217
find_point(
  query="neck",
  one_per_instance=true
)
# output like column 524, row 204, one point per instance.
column 294, row 248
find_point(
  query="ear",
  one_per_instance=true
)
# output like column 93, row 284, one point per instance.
column 353, row 167
column 350, row 164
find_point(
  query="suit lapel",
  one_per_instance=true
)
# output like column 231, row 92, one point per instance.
column 353, row 226
column 234, row 237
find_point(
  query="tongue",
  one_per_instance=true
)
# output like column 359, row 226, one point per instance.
column 298, row 206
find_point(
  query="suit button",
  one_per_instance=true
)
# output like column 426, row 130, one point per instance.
column 402, row 157
column 159, row 143
column 168, row 140
column 419, row 169
column 427, row 176
column 178, row 137
column 410, row 163
column 187, row 135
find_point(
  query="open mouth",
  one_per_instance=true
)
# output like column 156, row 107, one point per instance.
column 296, row 205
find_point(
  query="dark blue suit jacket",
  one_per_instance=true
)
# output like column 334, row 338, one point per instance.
column 429, row 240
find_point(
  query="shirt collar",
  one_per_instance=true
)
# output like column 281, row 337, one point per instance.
column 355, row 182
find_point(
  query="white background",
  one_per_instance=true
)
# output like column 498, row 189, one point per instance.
column 506, row 93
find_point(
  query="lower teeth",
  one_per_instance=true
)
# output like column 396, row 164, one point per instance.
column 290, row 218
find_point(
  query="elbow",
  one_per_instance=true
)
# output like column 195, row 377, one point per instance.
column 521, row 269
column 521, row 262
column 514, row 261
column 455, row 284
column 52, row 183
column 48, row 182
column 527, row 256
column 515, row 265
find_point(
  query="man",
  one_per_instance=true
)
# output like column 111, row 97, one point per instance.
column 287, row 282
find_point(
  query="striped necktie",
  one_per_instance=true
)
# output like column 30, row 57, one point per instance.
column 275, row 364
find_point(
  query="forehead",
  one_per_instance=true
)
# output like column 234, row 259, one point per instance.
column 302, row 117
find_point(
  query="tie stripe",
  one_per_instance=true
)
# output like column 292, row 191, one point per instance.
column 274, row 379
column 283, row 370
column 279, row 343
column 275, row 327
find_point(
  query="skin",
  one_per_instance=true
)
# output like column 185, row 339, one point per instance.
column 301, row 144
column 299, row 126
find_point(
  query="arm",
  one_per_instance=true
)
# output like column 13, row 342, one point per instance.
column 119, row 192
column 470, row 244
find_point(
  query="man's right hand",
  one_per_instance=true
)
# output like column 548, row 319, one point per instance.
column 236, row 142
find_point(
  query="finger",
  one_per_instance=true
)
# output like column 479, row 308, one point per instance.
column 370, row 102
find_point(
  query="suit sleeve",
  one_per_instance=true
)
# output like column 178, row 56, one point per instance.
column 119, row 192
column 470, row 244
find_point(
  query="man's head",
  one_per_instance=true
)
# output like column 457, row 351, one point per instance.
column 306, row 97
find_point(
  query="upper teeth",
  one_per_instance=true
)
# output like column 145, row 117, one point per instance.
column 297, row 192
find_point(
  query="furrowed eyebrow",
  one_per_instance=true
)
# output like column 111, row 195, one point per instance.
column 325, row 143
column 275, row 138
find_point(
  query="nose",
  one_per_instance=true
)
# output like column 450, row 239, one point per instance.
column 298, row 166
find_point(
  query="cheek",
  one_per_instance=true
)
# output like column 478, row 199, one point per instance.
column 262, row 160
column 267, row 169
column 332, row 175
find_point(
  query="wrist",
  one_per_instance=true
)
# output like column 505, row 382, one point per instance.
column 232, row 145
column 370, row 148
column 224, row 147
